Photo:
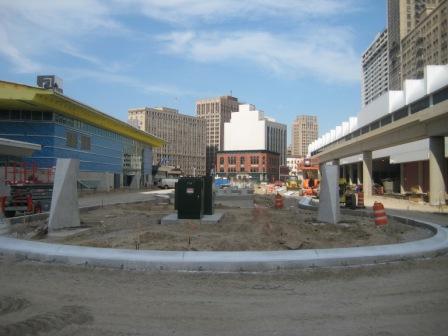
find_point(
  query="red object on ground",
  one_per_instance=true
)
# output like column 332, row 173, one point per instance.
column 361, row 199
column 379, row 213
column 2, row 204
column 278, row 201
column 29, row 203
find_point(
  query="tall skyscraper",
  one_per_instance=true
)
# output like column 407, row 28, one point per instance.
column 304, row 131
column 216, row 112
column 403, row 16
column 184, row 134
column 375, row 74
column 427, row 43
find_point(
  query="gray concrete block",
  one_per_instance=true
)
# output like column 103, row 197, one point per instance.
column 206, row 219
column 135, row 183
column 329, row 211
column 64, row 211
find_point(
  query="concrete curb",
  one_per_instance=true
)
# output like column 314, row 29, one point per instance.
column 227, row 261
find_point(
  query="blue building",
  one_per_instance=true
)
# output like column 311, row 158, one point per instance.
column 111, row 152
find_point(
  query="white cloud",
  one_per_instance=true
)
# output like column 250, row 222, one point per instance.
column 21, row 63
column 324, row 52
column 128, row 81
column 30, row 31
column 188, row 11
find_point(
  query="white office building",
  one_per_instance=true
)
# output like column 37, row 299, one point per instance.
column 249, row 129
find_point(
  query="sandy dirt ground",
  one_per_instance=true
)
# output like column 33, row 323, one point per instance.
column 137, row 226
column 406, row 298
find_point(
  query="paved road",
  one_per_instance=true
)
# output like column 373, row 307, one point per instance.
column 407, row 298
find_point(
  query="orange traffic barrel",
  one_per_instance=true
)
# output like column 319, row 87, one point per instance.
column 379, row 214
column 2, row 204
column 29, row 203
column 361, row 200
column 278, row 201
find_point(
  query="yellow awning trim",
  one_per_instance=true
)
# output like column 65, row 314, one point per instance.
column 24, row 97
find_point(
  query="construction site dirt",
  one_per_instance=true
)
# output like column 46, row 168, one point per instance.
column 260, row 227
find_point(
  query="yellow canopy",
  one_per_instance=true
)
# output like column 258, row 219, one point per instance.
column 15, row 96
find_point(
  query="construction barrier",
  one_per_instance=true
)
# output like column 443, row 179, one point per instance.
column 2, row 205
column 361, row 200
column 379, row 213
column 278, row 201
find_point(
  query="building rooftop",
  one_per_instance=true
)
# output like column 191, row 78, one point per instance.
column 14, row 96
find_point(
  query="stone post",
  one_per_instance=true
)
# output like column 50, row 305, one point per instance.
column 350, row 174
column 367, row 182
column 437, row 171
column 359, row 173
column 329, row 210
column 64, row 211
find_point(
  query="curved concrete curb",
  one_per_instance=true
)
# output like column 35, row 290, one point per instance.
column 228, row 261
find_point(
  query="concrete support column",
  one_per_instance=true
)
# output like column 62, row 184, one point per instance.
column 437, row 170
column 344, row 172
column 367, row 175
column 350, row 174
column 359, row 173
column 402, row 191
column 420, row 175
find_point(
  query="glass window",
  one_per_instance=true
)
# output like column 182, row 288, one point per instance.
column 85, row 142
column 72, row 139
column 4, row 115
column 36, row 115
column 47, row 116
column 26, row 115
column 15, row 115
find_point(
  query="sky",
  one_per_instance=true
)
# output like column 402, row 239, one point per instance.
column 287, row 57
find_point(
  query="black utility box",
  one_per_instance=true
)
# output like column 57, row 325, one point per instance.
column 190, row 198
column 209, row 196
column 176, row 195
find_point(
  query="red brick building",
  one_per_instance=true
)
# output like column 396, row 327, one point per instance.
column 260, row 165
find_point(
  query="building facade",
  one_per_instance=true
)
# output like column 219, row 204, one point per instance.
column 215, row 112
column 304, row 131
column 111, row 152
column 427, row 43
column 249, row 165
column 293, row 164
column 249, row 129
column 403, row 16
column 375, row 69
column 184, row 136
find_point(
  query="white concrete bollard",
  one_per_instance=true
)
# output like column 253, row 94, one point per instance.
column 64, row 211
column 329, row 210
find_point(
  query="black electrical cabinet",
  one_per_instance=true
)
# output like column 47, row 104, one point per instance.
column 176, row 195
column 190, row 198
column 209, row 195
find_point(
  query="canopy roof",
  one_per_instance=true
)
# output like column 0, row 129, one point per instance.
column 15, row 96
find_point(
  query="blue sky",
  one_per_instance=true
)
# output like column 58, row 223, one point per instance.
column 288, row 57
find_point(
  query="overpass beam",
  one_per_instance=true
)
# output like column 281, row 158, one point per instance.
column 367, row 176
column 437, row 170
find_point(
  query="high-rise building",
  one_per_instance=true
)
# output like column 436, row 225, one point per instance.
column 427, row 43
column 184, row 134
column 304, row 131
column 375, row 74
column 250, row 129
column 216, row 112
column 403, row 16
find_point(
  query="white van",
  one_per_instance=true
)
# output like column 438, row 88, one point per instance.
column 167, row 183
